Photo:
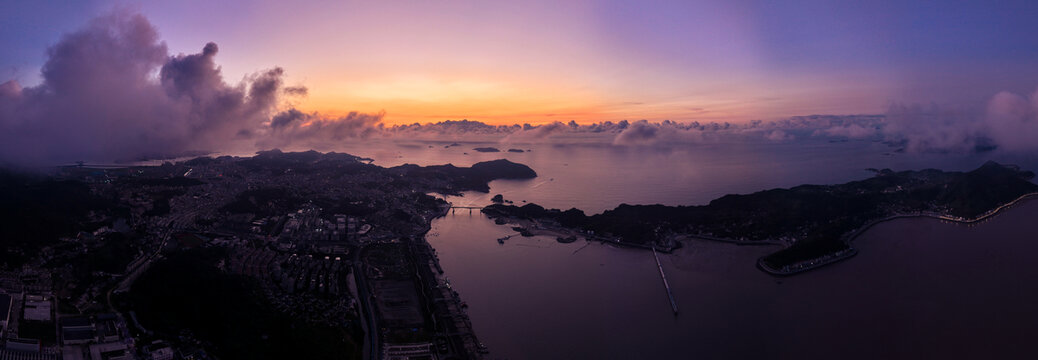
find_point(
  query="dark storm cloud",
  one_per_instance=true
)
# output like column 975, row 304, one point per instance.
column 286, row 118
column 95, row 99
column 100, row 100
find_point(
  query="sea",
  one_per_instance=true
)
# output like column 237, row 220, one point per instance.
column 919, row 288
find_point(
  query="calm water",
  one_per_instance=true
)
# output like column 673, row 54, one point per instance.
column 596, row 178
column 918, row 288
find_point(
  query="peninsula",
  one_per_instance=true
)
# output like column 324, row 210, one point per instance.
column 815, row 223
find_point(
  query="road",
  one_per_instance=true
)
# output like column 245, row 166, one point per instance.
column 132, row 275
column 372, row 347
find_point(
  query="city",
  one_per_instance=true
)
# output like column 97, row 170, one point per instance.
column 332, row 245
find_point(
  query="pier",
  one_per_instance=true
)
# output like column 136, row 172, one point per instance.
column 670, row 294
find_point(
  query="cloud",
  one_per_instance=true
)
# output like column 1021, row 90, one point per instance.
column 286, row 118
column 112, row 91
column 779, row 135
column 639, row 133
column 297, row 90
column 853, row 131
column 100, row 100
column 1011, row 121
column 295, row 128
column 644, row 133
column 622, row 133
column 531, row 133
column 933, row 127
column 448, row 130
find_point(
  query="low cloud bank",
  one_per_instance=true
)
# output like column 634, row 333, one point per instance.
column 1009, row 122
column 851, row 131
column 295, row 128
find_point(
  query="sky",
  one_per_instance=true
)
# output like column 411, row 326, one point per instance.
column 589, row 61
column 118, row 81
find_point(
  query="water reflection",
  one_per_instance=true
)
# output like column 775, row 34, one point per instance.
column 919, row 288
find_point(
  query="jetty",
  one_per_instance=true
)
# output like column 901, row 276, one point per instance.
column 670, row 294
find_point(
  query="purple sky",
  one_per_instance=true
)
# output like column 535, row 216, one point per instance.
column 103, row 80
column 589, row 61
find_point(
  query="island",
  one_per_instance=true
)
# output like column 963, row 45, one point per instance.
column 815, row 224
column 487, row 149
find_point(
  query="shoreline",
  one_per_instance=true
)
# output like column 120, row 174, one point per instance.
column 854, row 234
column 541, row 230
column 442, row 302
column 473, row 348
column 538, row 229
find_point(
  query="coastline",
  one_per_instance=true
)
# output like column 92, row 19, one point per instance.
column 473, row 348
column 539, row 229
column 851, row 236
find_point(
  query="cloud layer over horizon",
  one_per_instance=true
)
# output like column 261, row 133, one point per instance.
column 111, row 91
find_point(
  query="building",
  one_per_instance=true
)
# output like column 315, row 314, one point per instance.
column 24, row 350
column 22, row 345
column 36, row 308
column 163, row 353
column 408, row 351
column 107, row 327
column 73, row 353
column 110, row 351
column 5, row 313
column 76, row 330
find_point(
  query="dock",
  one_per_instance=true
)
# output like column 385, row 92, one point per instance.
column 670, row 294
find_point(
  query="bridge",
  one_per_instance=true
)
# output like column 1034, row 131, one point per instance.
column 453, row 208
